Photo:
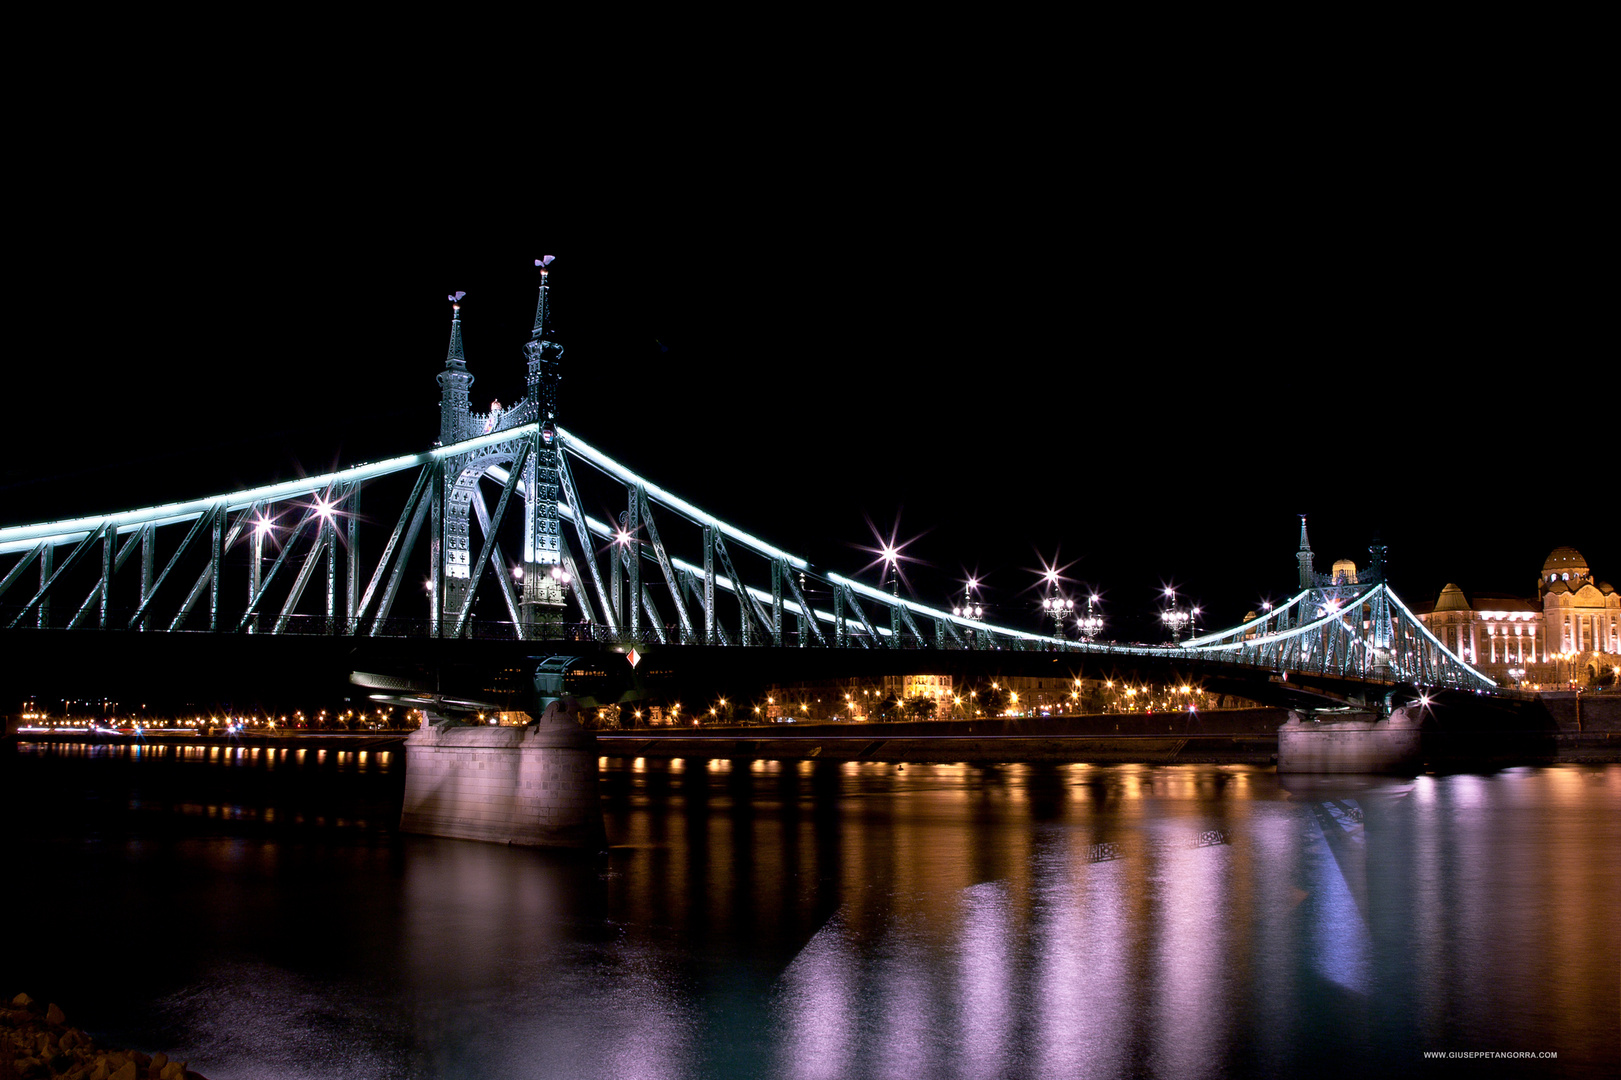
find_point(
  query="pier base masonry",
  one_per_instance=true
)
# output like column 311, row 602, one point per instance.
column 534, row 786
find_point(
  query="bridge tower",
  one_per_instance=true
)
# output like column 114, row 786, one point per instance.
column 450, row 558
column 543, row 580
column 1304, row 557
column 454, row 383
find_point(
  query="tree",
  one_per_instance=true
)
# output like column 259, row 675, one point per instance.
column 920, row 707
column 992, row 700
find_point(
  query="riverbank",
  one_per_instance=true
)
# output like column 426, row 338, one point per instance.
column 1572, row 733
column 37, row 1042
column 1569, row 729
column 1238, row 736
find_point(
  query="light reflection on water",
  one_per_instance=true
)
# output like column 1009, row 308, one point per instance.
column 814, row 920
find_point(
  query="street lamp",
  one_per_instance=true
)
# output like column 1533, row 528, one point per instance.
column 1053, row 604
column 1091, row 624
column 968, row 609
column 1058, row 608
column 1175, row 619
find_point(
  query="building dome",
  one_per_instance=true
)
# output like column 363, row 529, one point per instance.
column 1563, row 569
column 1564, row 560
column 1452, row 599
column 1344, row 570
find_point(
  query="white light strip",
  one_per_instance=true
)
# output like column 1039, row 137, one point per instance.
column 23, row 537
column 1425, row 631
column 1247, row 627
column 675, row 502
column 72, row 530
column 790, row 606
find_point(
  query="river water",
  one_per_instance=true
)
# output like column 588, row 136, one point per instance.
column 257, row 914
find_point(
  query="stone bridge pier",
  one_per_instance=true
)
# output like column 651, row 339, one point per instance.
column 534, row 786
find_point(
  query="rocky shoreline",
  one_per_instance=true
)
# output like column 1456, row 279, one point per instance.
column 38, row 1044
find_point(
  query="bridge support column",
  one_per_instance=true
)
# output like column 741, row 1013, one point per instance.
column 436, row 553
column 633, row 526
column 776, row 602
column 709, row 585
column 47, row 556
column 148, row 542
column 351, row 557
column 255, row 572
column 616, row 578
column 108, row 542
column 329, row 536
column 1350, row 743
column 533, row 786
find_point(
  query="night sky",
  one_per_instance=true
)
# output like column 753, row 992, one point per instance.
column 1142, row 365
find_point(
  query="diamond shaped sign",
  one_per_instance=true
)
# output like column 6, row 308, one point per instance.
column 633, row 657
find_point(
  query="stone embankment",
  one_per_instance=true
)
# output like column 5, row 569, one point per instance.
column 1235, row 736
column 38, row 1044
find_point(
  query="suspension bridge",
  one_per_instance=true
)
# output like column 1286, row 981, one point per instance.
column 666, row 573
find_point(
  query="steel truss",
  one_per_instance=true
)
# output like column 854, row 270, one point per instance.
column 1360, row 631
column 1354, row 631
column 677, row 599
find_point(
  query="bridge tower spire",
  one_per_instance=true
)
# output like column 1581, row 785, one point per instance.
column 1377, row 553
column 1304, row 557
column 542, row 560
column 454, row 382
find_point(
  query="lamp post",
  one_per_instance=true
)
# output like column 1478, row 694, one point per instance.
column 968, row 609
column 1175, row 619
column 1059, row 608
column 1091, row 624
column 1052, row 603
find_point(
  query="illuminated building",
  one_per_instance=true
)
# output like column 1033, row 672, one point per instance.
column 1569, row 632
column 938, row 688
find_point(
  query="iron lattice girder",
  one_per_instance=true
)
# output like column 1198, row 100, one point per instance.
column 746, row 597
column 566, row 553
column 572, row 509
column 477, row 569
column 210, row 576
column 420, row 496
column 664, row 563
column 409, row 514
column 275, row 568
column 627, row 556
column 51, row 577
column 305, row 572
column 1346, row 642
column 805, row 610
column 36, row 541
column 850, row 598
column 499, row 559
column 1407, row 643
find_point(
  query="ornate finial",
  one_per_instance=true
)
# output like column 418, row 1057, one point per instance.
column 542, row 314
column 1304, row 556
column 455, row 353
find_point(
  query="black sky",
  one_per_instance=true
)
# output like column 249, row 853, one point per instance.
column 1144, row 358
